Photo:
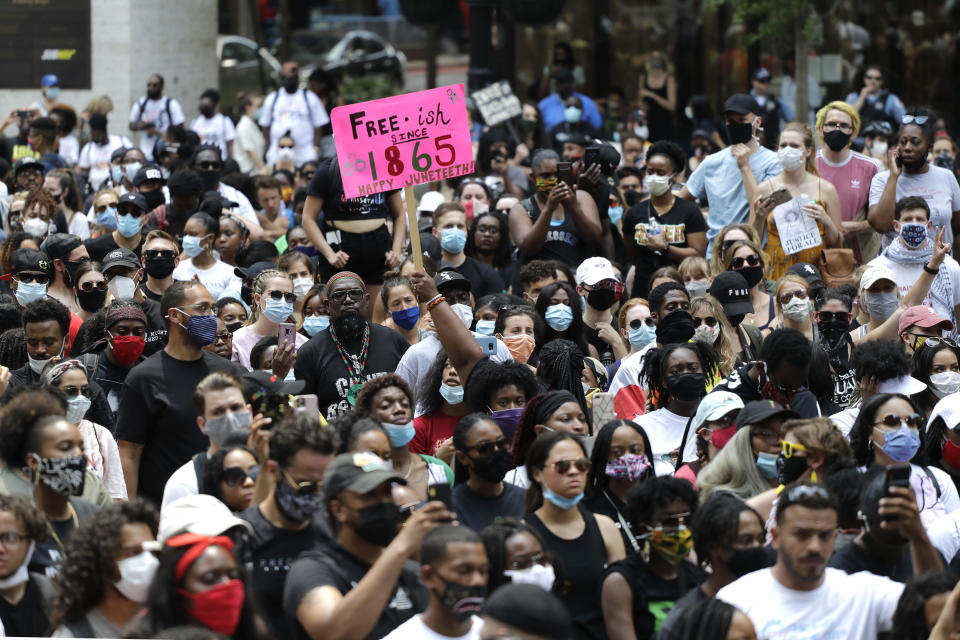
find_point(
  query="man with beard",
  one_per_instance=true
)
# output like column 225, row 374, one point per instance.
column 293, row 112
column 336, row 363
column 153, row 114
column 800, row 597
column 208, row 163
column 156, row 420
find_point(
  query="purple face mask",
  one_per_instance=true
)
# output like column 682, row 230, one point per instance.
column 507, row 420
column 630, row 466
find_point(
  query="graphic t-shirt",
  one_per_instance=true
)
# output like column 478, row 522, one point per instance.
column 852, row 178
column 336, row 207
column 218, row 130
column 665, row 430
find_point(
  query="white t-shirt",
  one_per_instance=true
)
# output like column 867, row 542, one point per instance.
column 216, row 279
column 518, row 476
column 907, row 274
column 944, row 535
column 665, row 430
column 249, row 137
column 79, row 226
column 218, row 130
column 415, row 629
column 182, row 482
column 937, row 186
column 95, row 158
column 245, row 210
column 284, row 112
column 69, row 149
column 845, row 419
column 155, row 111
column 853, row 606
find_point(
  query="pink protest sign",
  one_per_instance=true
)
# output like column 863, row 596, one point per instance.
column 401, row 141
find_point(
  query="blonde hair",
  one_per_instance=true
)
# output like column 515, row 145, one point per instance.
column 101, row 104
column 716, row 261
column 806, row 134
column 726, row 351
column 260, row 285
column 753, row 246
column 694, row 265
column 733, row 470
column 820, row 434
column 781, row 283
column 839, row 105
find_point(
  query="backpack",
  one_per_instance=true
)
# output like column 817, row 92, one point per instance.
column 166, row 107
column 199, row 465
column 276, row 97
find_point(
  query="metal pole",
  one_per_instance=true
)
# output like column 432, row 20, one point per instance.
column 480, row 73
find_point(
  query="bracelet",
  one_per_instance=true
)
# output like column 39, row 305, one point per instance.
column 434, row 301
column 930, row 270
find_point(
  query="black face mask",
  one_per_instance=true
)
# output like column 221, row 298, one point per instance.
column 601, row 299
column 687, row 387
column 740, row 132
column 160, row 266
column 210, row 179
column 206, row 111
column 833, row 331
column 789, row 469
column 91, row 301
column 154, row 198
column 246, row 294
column 675, row 328
column 461, row 601
column 753, row 275
column 377, row 524
column 290, row 83
column 836, row 139
column 736, row 320
column 744, row 561
column 233, row 326
column 154, row 94
column 494, row 467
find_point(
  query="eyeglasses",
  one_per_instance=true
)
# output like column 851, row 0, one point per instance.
column 767, row 435
column 789, row 448
column 341, row 295
column 160, row 253
column 800, row 294
column 710, row 322
column 39, row 278
column 10, row 538
column 226, row 336
column 827, row 316
column 931, row 341
column 486, row 447
column 90, row 285
column 72, row 391
column 833, row 126
column 563, row 466
column 909, row 119
column 893, row 421
column 203, row 308
column 235, row 476
column 303, row 488
column 280, row 295
column 737, row 263
column 635, row 324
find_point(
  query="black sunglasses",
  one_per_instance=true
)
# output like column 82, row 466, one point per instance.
column 160, row 253
column 563, row 466
column 90, row 285
column 72, row 391
column 635, row 324
column 828, row 316
column 235, row 476
column 737, row 263
column 893, row 420
column 280, row 295
column 709, row 321
column 486, row 447
column 39, row 278
column 209, row 166
column 341, row 295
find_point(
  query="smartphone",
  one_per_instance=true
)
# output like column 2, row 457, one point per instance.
column 780, row 196
column 591, row 157
column 565, row 173
column 899, row 162
column 488, row 345
column 307, row 404
column 897, row 475
column 603, row 410
column 24, row 114
column 440, row 491
column 272, row 406
column 288, row 334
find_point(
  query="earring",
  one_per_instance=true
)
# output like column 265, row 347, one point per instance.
column 813, row 477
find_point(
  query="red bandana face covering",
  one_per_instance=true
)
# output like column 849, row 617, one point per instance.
column 126, row 349
column 951, row 454
column 218, row 608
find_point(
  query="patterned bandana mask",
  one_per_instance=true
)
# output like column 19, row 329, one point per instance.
column 63, row 475
column 913, row 234
column 630, row 466
column 546, row 185
column 674, row 545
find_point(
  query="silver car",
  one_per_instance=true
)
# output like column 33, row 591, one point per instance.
column 244, row 67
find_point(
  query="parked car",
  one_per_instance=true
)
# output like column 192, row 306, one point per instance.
column 351, row 56
column 244, row 67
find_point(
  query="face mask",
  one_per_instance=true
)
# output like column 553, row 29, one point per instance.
column 493, row 467
column 657, row 185
column 233, row 422
column 697, row 288
column 951, row 454
column 687, row 387
column 675, row 328
column 77, row 408
column 278, row 310
column 154, row 198
column 753, row 275
column 879, row 148
column 285, row 154
column 833, row 331
column 108, row 218
column 720, row 437
column 301, row 286
column 160, row 267
column 520, row 346
column 902, row 444
column 53, row 93
column 559, row 317
column 796, row 309
column 880, row 306
column 465, row 313
column 27, row 292
column 210, row 179
column 546, row 185
column 641, row 336
column 315, row 324
column 128, row 225
column 218, row 608
column 615, row 213
column 945, row 383
column 561, row 502
column 192, row 245
column 307, row 250
column 400, row 434
column 744, row 561
column 299, row 507
column 453, row 240
column 122, row 287
column 572, row 114
column 601, row 299
column 736, row 320
column 703, row 333
column 539, row 575
column 586, row 388
column 740, row 132
column 630, row 466
column 642, row 132
column 91, row 301
column 126, row 349
column 201, row 329
column 836, row 139
column 406, row 318
column 767, row 464
column 36, row 227
column 453, row 395
column 789, row 469
column 63, row 475
column 234, row 326
column 485, row 327
column 913, row 234
column 790, row 158
column 22, row 574
column 37, row 365
column 377, row 524
column 673, row 546
column 136, row 576
column 461, row 601
column 507, row 420
column 130, row 170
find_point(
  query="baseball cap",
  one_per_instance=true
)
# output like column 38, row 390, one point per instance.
column 134, row 198
column 430, row 201
column 922, row 316
column 716, row 405
column 741, row 103
column 875, row 273
column 121, row 258
column 49, row 80
column 730, row 288
column 147, row 172
column 594, row 270
column 907, row 385
column 947, row 408
column 26, row 161
column 762, row 75
column 759, row 410
column 806, row 271
column 201, row 514
column 29, row 260
column 59, row 245
column 253, row 270
column 530, row 609
column 358, row 472
column 447, row 279
column 256, row 382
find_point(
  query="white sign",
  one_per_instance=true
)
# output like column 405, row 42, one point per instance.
column 797, row 230
column 497, row 103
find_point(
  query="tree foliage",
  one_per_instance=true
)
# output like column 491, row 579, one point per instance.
column 775, row 19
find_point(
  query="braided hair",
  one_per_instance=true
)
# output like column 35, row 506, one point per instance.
column 655, row 367
column 561, row 367
column 259, row 286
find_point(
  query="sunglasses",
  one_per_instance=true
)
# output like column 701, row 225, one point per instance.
column 802, row 491
column 563, row 466
column 341, row 296
column 39, row 278
column 828, row 316
column 737, row 263
column 90, row 285
column 486, row 448
column 160, row 253
column 710, row 322
column 909, row 119
column 873, row 77
column 235, row 476
column 789, row 448
column 788, row 296
column 636, row 324
column 280, row 295
column 303, row 488
column 209, row 166
column 932, row 341
column 893, row 421
column 72, row 391
column 130, row 211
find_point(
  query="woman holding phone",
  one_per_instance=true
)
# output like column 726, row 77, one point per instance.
column 270, row 315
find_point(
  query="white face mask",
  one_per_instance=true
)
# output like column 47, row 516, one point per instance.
column 703, row 333
column 301, row 286
column 879, row 148
column 790, row 158
column 21, row 575
column 657, row 185
column 465, row 313
column 136, row 575
column 36, row 227
column 540, row 575
column 943, row 384
column 796, row 309
column 122, row 287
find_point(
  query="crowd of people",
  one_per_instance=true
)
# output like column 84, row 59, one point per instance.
column 631, row 389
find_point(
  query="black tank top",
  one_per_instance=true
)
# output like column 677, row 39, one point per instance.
column 562, row 242
column 582, row 562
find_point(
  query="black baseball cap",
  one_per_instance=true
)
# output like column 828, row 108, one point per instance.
column 29, row 260
column 26, row 162
column 59, row 245
column 256, row 382
column 757, row 411
column 134, row 198
column 806, row 271
column 741, row 103
column 358, row 472
column 121, row 257
column 146, row 173
column 530, row 609
column 447, row 279
column 762, row 75
column 731, row 289
column 253, row 270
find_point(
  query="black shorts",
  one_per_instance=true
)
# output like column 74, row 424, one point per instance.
column 367, row 253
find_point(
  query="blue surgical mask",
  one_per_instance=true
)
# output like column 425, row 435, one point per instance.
column 485, row 327
column 453, row 240
column 400, row 434
column 53, row 93
column 192, row 245
column 277, row 310
column 27, row 292
column 560, row 501
column 559, row 317
column 315, row 324
column 116, row 173
column 902, row 444
column 406, row 318
column 108, row 219
column 453, row 395
column 128, row 225
column 767, row 464
column 641, row 336
column 572, row 114
column 131, row 170
column 615, row 213
column 77, row 407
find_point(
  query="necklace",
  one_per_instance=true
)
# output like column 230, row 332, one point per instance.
column 76, row 523
column 355, row 368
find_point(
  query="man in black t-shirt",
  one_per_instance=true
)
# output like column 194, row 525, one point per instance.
column 450, row 226
column 337, row 361
column 365, row 581
column 24, row 597
column 157, row 420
